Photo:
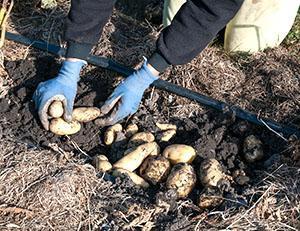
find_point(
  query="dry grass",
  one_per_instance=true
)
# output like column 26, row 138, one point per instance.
column 44, row 189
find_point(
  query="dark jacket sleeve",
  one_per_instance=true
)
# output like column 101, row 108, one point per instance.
column 193, row 27
column 84, row 25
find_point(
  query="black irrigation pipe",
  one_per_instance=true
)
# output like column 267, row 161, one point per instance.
column 109, row 64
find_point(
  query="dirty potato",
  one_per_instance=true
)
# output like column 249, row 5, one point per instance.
column 56, row 109
column 85, row 114
column 140, row 138
column 136, row 179
column 155, row 169
column 134, row 157
column 131, row 129
column 182, row 179
column 101, row 163
column 179, row 153
column 240, row 177
column 111, row 132
column 166, row 135
column 164, row 127
column 210, row 197
column 253, row 150
column 210, row 172
column 60, row 127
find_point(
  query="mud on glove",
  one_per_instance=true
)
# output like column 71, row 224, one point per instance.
column 62, row 88
column 125, row 99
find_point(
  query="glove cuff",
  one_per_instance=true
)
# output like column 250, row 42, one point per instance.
column 144, row 77
column 71, row 69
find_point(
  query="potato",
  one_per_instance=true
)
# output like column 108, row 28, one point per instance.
column 164, row 127
column 253, row 150
column 134, row 157
column 134, row 177
column 56, row 109
column 211, row 197
column 155, row 169
column 60, row 127
column 85, row 114
column 240, row 177
column 179, row 153
column 210, row 172
column 166, row 135
column 140, row 138
column 111, row 132
column 182, row 179
column 131, row 130
column 101, row 163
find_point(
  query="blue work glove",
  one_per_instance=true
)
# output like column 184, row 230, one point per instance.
column 62, row 88
column 126, row 98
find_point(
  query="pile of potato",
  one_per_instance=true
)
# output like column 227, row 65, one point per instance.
column 80, row 115
column 146, row 164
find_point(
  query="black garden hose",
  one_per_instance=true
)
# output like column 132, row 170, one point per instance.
column 109, row 64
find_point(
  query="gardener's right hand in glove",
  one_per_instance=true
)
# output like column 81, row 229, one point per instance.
column 62, row 88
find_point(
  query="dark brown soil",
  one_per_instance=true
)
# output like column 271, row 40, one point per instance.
column 213, row 134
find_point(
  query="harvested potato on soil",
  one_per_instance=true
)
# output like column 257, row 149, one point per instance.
column 210, row 197
column 179, row 153
column 134, row 157
column 210, row 172
column 166, row 135
column 85, row 114
column 56, row 109
column 164, row 127
column 182, row 179
column 131, row 129
column 60, row 127
column 111, row 133
column 101, row 163
column 134, row 177
column 155, row 169
column 253, row 150
column 140, row 138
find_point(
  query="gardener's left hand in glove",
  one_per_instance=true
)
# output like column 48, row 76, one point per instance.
column 125, row 99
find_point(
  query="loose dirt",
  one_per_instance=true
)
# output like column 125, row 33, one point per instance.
column 213, row 134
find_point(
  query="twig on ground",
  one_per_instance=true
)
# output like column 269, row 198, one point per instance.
column 272, row 130
column 252, row 207
column 16, row 210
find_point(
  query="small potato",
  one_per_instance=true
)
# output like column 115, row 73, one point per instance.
column 85, row 114
column 155, row 169
column 111, row 133
column 140, row 138
column 240, row 177
column 210, row 172
column 179, row 153
column 253, row 150
column 134, row 177
column 134, row 157
column 164, row 127
column 131, row 130
column 211, row 197
column 167, row 135
column 56, row 109
column 60, row 127
column 101, row 163
column 182, row 179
